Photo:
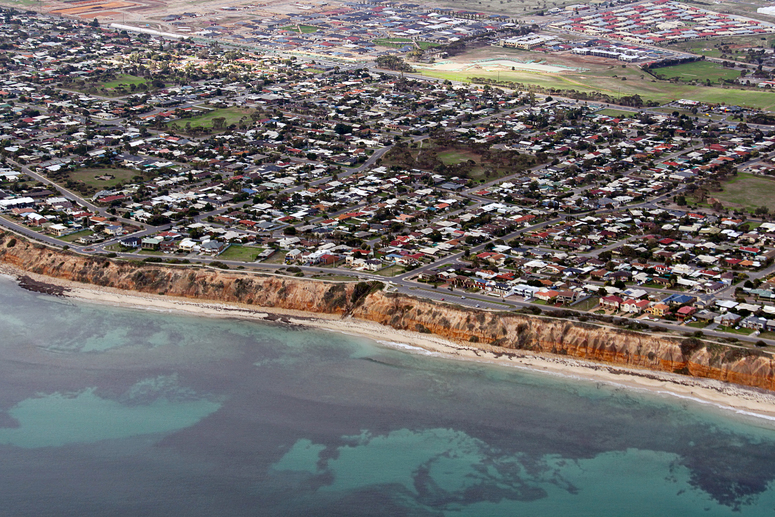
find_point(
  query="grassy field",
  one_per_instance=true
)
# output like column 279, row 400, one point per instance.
column 610, row 82
column 747, row 191
column 303, row 29
column 16, row 3
column 508, row 7
column 334, row 278
column 125, row 80
column 712, row 48
column 400, row 42
column 615, row 113
column 205, row 120
column 277, row 258
column 89, row 177
column 454, row 157
column 241, row 253
column 391, row 270
column 698, row 71
column 587, row 305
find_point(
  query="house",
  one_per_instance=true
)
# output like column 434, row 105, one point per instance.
column 130, row 242
column 658, row 309
column 151, row 243
column 213, row 247
column 60, row 230
column 705, row 316
column 169, row 246
column 567, row 296
column 685, row 312
column 114, row 229
column 728, row 319
column 754, row 322
column 327, row 259
column 679, row 299
column 547, row 294
column 634, row 306
column 611, row 302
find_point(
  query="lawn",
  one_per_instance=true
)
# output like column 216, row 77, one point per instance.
column 701, row 71
column 205, row 120
column 732, row 330
column 241, row 253
column 747, row 191
column 302, row 29
column 111, row 177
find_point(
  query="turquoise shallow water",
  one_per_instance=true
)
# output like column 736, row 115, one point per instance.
column 108, row 411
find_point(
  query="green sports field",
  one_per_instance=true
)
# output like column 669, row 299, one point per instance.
column 700, row 71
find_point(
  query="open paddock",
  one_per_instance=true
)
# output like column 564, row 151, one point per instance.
column 747, row 191
column 614, row 81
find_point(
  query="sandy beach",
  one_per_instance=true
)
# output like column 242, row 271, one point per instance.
column 732, row 397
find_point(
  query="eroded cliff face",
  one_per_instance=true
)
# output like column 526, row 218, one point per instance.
column 368, row 302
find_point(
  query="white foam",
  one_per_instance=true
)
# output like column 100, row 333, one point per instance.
column 410, row 348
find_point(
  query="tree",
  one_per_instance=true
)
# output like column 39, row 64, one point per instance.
column 393, row 63
column 342, row 129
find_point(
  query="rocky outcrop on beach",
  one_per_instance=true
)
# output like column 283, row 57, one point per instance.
column 366, row 300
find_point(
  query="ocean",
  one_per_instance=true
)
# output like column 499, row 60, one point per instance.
column 135, row 412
